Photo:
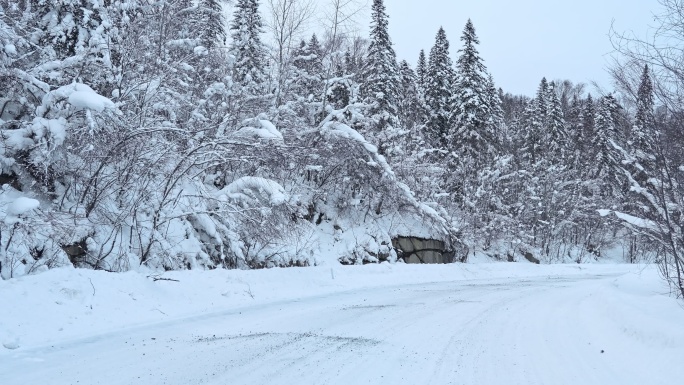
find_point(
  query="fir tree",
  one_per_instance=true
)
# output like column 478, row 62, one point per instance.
column 543, row 97
column 471, row 135
column 249, row 68
column 380, row 71
column 574, row 130
column 213, row 30
column 316, row 52
column 246, row 46
column 585, row 131
column 306, row 85
column 643, row 132
column 308, row 69
column 439, row 84
column 495, row 122
column 605, row 166
column 533, row 127
column 411, row 110
column 299, row 56
column 339, row 89
column 421, row 70
column 555, row 126
column 351, row 66
column 587, row 116
column 65, row 26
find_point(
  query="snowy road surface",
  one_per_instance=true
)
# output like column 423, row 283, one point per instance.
column 603, row 327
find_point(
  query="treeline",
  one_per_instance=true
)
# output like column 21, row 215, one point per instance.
column 161, row 135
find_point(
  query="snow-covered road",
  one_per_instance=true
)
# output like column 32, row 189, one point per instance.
column 595, row 328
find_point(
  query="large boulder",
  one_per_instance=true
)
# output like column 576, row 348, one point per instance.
column 419, row 250
column 530, row 257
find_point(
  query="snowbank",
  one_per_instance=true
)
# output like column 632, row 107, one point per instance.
column 66, row 303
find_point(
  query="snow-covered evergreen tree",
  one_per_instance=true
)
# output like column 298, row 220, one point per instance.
column 213, row 30
column 411, row 109
column 643, row 132
column 607, row 143
column 249, row 52
column 380, row 73
column 585, row 133
column 421, row 70
column 496, row 121
column 439, row 88
column 305, row 88
column 339, row 89
column 471, row 136
column 533, row 126
column 558, row 149
column 643, row 161
column 250, row 55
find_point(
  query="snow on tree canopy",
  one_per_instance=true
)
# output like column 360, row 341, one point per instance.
column 10, row 49
column 22, row 205
column 337, row 129
column 251, row 189
column 343, row 131
column 266, row 130
column 83, row 97
column 18, row 207
column 630, row 219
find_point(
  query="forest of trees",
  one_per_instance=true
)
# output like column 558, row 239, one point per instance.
column 158, row 133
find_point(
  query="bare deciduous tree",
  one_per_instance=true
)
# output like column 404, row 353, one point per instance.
column 660, row 191
column 288, row 21
column 663, row 51
column 340, row 23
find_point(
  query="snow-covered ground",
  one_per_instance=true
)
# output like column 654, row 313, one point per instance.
column 377, row 324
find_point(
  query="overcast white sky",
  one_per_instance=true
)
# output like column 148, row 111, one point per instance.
column 523, row 40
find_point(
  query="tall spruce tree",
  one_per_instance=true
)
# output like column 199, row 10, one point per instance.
column 213, row 30
column 380, row 72
column 439, row 85
column 411, row 110
column 607, row 138
column 470, row 135
column 308, row 70
column 249, row 68
column 643, row 166
column 495, row 122
column 532, row 132
column 65, row 26
column 246, row 46
column 643, row 132
column 555, row 125
column 584, row 134
column 304, row 94
column 421, row 70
